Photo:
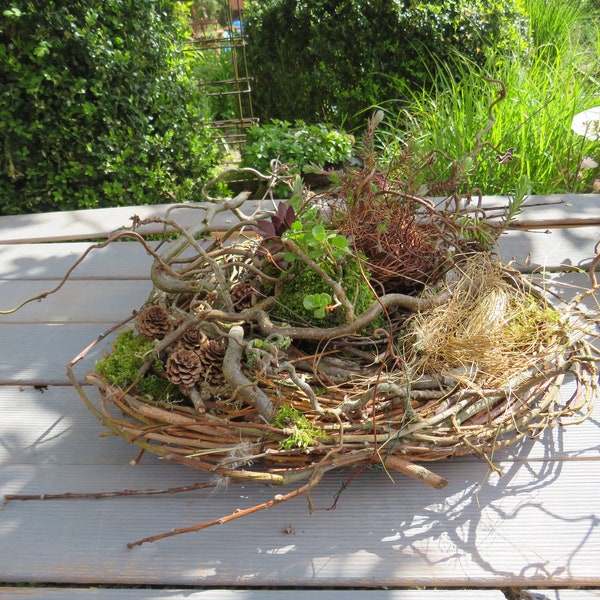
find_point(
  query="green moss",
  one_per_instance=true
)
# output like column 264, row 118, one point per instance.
column 305, row 282
column 304, row 431
column 160, row 390
column 535, row 323
column 121, row 368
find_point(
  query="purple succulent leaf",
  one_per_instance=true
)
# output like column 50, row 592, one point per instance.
column 288, row 214
column 277, row 224
column 265, row 228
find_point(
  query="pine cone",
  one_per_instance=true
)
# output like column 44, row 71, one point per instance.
column 243, row 296
column 153, row 322
column 183, row 368
column 211, row 355
column 192, row 339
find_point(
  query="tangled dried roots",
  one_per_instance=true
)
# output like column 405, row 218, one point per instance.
column 400, row 249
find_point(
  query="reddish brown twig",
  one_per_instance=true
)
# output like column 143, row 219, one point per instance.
column 99, row 495
column 278, row 499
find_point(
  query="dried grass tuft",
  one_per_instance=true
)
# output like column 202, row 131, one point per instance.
column 492, row 328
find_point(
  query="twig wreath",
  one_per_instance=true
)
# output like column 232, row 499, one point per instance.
column 361, row 326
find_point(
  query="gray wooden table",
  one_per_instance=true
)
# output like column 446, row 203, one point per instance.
column 535, row 527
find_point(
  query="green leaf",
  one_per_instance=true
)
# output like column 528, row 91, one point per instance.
column 318, row 303
column 319, row 233
column 42, row 50
column 340, row 242
column 12, row 13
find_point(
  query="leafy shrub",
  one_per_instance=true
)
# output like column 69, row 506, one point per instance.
column 329, row 59
column 97, row 107
column 298, row 145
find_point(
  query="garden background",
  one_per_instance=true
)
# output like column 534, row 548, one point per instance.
column 114, row 103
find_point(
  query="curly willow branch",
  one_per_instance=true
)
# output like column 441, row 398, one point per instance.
column 113, row 238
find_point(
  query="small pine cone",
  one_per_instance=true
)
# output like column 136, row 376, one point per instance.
column 183, row 368
column 211, row 356
column 192, row 339
column 153, row 322
column 243, row 296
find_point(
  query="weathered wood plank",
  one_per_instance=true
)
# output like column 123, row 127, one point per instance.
column 112, row 300
column 550, row 249
column 39, row 593
column 38, row 354
column 52, row 261
column 537, row 525
column 221, row 594
column 576, row 209
column 100, row 223
column 512, row 531
column 78, row 301
column 53, row 426
column 553, row 249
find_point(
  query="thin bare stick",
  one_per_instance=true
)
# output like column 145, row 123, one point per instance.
column 99, row 495
column 238, row 514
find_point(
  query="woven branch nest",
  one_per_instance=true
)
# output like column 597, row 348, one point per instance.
column 471, row 360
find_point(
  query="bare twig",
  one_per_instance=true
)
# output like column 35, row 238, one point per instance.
column 99, row 495
column 278, row 499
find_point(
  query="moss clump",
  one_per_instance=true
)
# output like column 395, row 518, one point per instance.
column 302, row 282
column 120, row 368
column 534, row 327
column 304, row 432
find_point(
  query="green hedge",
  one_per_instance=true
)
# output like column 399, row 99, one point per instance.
column 97, row 107
column 326, row 60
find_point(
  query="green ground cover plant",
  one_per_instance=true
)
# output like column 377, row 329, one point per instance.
column 298, row 144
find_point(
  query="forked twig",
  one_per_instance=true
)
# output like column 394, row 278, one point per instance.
column 278, row 499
